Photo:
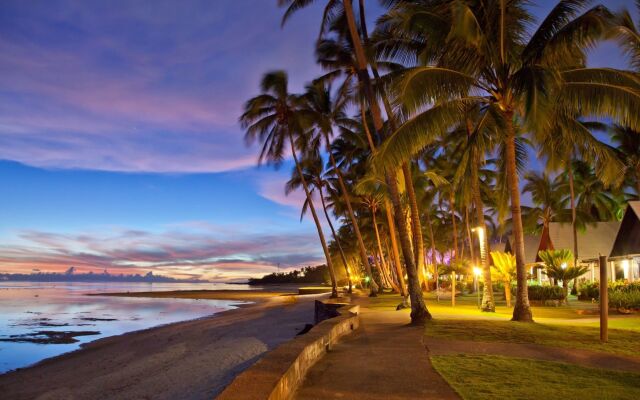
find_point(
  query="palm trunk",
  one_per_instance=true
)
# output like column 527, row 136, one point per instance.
column 382, row 260
column 419, row 310
column 352, row 217
column 574, row 228
column 434, row 259
column 332, row 274
column 453, row 289
column 488, row 302
column 452, row 206
column 394, row 248
column 507, row 293
column 472, row 254
column 335, row 238
column 416, row 225
column 522, row 309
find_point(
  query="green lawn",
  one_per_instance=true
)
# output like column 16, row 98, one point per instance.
column 494, row 377
column 623, row 342
column 570, row 326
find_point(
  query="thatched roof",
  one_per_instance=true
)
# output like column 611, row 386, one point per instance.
column 530, row 247
column 594, row 241
column 627, row 240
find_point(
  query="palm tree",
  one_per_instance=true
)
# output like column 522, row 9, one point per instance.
column 628, row 147
column 271, row 118
column 480, row 53
column 313, row 174
column 558, row 266
column 504, row 270
column 324, row 112
column 419, row 310
column 549, row 200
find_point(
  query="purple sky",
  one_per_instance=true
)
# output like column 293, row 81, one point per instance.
column 119, row 142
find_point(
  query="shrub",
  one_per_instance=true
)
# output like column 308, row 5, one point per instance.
column 621, row 294
column 589, row 290
column 544, row 293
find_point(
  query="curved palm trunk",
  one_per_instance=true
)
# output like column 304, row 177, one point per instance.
column 522, row 309
column 416, row 225
column 332, row 274
column 488, row 302
column 419, row 310
column 335, row 238
column 392, row 228
column 382, row 260
column 394, row 248
column 345, row 196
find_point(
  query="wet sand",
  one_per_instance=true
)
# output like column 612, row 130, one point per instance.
column 186, row 360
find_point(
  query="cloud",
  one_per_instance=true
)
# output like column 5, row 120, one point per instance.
column 204, row 252
column 130, row 87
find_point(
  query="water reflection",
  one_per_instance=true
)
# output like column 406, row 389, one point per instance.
column 61, row 310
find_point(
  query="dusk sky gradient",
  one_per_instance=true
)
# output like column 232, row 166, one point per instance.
column 119, row 142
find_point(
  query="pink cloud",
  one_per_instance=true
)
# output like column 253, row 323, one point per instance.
column 203, row 252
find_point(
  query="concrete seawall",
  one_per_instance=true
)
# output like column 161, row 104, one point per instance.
column 280, row 372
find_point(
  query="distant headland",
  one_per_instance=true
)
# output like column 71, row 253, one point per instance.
column 70, row 275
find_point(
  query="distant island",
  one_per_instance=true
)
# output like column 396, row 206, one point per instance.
column 70, row 275
column 317, row 274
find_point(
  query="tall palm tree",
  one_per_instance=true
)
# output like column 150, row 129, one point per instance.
column 324, row 111
column 548, row 198
column 313, row 174
column 419, row 311
column 272, row 119
column 481, row 53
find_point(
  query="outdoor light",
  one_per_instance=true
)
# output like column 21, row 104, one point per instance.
column 477, row 271
column 564, row 265
column 625, row 268
column 366, row 279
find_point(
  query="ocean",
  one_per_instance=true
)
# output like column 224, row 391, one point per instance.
column 42, row 320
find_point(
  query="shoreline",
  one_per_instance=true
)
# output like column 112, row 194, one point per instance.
column 187, row 359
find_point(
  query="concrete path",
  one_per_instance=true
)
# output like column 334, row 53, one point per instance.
column 384, row 359
column 584, row 358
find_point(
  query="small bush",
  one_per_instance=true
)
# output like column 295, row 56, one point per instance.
column 544, row 293
column 589, row 290
column 621, row 295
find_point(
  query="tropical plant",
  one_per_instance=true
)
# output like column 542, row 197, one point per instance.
column 480, row 53
column 504, row 270
column 419, row 310
column 272, row 119
column 559, row 266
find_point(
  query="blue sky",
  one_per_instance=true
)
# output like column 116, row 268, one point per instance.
column 119, row 142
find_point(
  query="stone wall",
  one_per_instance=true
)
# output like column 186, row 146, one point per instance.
column 277, row 375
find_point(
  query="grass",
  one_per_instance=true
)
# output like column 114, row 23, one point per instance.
column 570, row 326
column 624, row 342
column 487, row 377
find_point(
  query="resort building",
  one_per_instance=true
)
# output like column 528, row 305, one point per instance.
column 626, row 248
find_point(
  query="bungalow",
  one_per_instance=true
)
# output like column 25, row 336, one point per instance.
column 626, row 248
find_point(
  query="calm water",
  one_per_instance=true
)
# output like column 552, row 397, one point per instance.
column 27, row 308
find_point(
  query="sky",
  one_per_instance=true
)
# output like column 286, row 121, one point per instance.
column 119, row 142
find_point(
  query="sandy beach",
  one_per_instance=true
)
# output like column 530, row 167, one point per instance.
column 186, row 360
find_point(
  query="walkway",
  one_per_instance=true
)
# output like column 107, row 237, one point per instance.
column 384, row 359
